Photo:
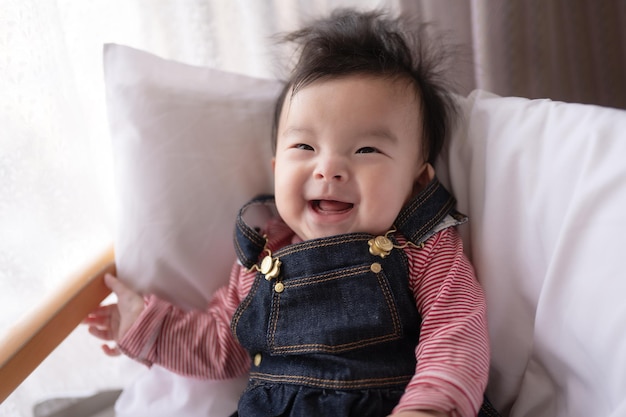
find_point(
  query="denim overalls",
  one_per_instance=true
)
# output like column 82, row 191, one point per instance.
column 331, row 327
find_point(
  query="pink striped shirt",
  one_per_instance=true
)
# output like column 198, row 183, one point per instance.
column 452, row 354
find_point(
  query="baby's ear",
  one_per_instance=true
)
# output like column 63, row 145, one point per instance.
column 424, row 175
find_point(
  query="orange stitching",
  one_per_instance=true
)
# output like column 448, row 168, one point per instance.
column 330, row 276
column 329, row 383
column 331, row 241
column 274, row 315
column 243, row 306
column 435, row 219
column 301, row 348
column 424, row 195
column 391, row 305
column 318, row 347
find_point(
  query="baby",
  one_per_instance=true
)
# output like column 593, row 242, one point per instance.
column 355, row 299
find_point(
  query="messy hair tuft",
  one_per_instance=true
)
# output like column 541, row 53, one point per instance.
column 350, row 42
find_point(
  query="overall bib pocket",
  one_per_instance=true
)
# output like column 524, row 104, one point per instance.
column 354, row 307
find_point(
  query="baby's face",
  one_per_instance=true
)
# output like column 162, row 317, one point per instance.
column 348, row 154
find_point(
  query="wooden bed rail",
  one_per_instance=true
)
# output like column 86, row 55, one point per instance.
column 32, row 339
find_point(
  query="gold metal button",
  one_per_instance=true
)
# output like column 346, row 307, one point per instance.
column 383, row 243
column 279, row 287
column 380, row 246
column 257, row 359
column 376, row 267
column 270, row 267
column 267, row 264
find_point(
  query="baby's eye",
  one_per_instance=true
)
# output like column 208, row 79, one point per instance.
column 367, row 149
column 304, row 147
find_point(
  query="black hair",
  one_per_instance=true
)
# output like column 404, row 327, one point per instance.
column 351, row 42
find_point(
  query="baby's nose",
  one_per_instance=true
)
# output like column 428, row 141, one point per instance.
column 331, row 169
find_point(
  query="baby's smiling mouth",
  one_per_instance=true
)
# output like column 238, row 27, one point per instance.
column 331, row 206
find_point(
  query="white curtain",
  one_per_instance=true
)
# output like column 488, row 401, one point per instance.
column 55, row 168
column 56, row 197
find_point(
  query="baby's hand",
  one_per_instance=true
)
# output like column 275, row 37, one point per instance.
column 111, row 322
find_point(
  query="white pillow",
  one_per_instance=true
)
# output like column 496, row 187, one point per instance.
column 190, row 146
column 544, row 185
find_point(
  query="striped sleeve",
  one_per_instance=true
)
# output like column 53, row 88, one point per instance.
column 192, row 343
column 453, row 350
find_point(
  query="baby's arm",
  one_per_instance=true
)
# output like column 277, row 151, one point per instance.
column 111, row 322
column 453, row 351
column 195, row 343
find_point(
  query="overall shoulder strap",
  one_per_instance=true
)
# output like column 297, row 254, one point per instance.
column 430, row 211
column 248, row 240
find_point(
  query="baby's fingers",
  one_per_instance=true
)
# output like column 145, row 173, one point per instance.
column 103, row 332
column 111, row 350
column 100, row 316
